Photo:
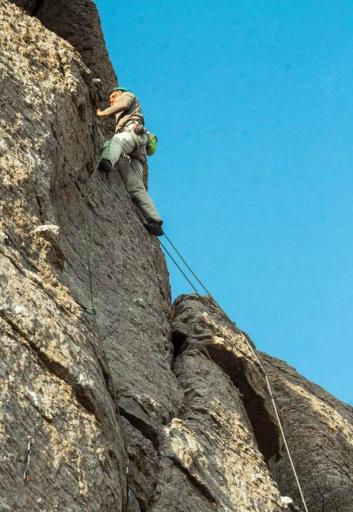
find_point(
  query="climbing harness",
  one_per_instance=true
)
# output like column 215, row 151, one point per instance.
column 268, row 385
column 28, row 461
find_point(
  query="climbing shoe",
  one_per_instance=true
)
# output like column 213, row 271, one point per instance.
column 105, row 165
column 154, row 228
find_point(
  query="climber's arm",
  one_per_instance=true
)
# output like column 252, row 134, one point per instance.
column 124, row 103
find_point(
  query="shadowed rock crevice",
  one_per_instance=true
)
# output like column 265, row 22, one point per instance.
column 196, row 483
column 142, row 426
column 29, row 6
column 234, row 358
column 179, row 340
column 209, row 447
column 201, row 448
column 39, row 4
column 251, row 385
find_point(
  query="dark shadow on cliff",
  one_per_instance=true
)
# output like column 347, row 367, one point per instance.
column 245, row 374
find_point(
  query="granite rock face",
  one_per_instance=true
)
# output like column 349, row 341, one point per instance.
column 77, row 21
column 58, row 218
column 210, row 455
column 55, row 385
column 318, row 427
column 117, row 389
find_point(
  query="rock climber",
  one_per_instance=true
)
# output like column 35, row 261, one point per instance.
column 130, row 140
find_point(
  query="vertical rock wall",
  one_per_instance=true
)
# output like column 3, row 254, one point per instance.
column 58, row 218
column 54, row 376
column 77, row 21
column 174, row 395
column 211, row 456
column 320, row 434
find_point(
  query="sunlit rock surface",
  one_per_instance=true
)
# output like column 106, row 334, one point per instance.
column 319, row 429
column 141, row 406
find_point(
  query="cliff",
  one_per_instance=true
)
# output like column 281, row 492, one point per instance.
column 145, row 405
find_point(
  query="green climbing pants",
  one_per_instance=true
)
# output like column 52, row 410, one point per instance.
column 131, row 169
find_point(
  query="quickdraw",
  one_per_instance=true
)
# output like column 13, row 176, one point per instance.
column 28, row 462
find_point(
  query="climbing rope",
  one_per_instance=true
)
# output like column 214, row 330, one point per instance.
column 92, row 311
column 268, row 385
column 195, row 276
column 188, row 267
column 178, row 266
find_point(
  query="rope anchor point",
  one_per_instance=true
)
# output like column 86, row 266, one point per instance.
column 29, row 452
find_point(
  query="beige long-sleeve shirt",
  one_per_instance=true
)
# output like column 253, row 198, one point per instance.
column 126, row 109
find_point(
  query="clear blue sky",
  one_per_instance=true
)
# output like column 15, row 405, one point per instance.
column 252, row 102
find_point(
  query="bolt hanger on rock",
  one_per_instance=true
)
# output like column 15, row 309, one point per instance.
column 28, row 461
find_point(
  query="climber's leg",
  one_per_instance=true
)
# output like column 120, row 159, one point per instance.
column 132, row 173
column 124, row 142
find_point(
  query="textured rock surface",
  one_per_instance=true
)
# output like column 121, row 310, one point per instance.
column 194, row 416
column 210, row 458
column 320, row 435
column 77, row 22
column 54, row 377
column 49, row 143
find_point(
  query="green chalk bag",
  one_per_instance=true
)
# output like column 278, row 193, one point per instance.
column 152, row 142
